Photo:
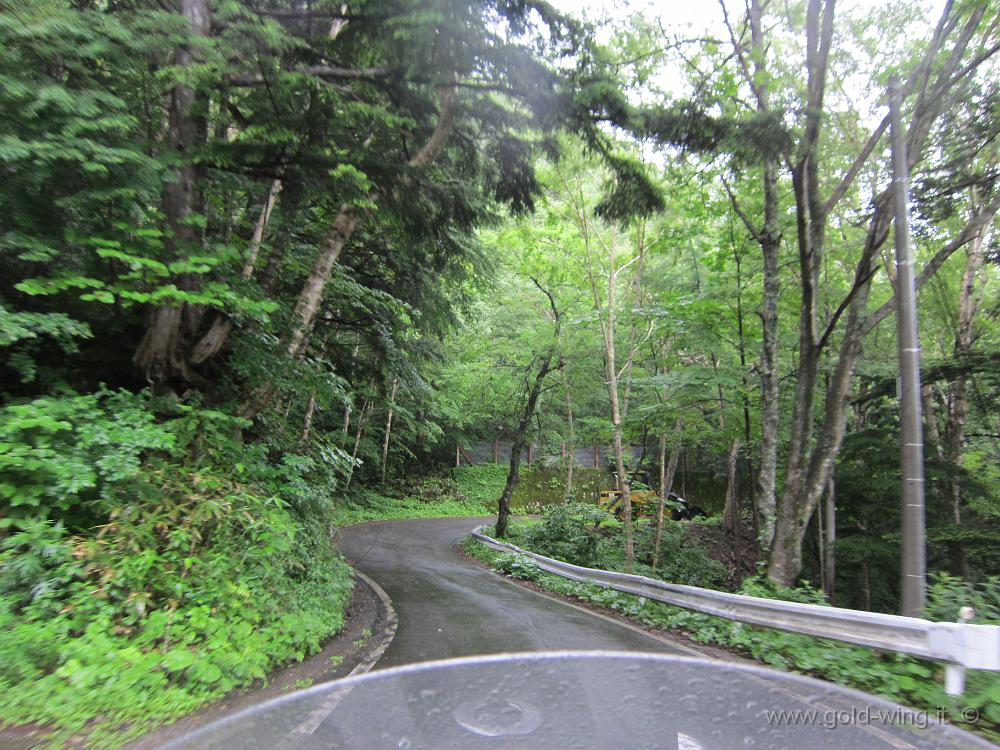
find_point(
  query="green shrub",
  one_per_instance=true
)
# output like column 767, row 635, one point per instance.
column 481, row 484
column 584, row 534
column 175, row 602
column 59, row 452
column 570, row 532
column 680, row 560
column 371, row 506
column 517, row 566
column 147, row 567
column 946, row 595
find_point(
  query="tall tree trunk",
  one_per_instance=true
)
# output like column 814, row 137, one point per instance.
column 866, row 586
column 388, row 427
column 513, row 477
column 308, row 421
column 666, row 484
column 829, row 543
column 769, row 238
column 212, row 341
column 568, row 493
column 616, row 416
column 519, row 440
column 733, row 515
column 791, row 515
column 610, row 362
column 745, row 397
column 307, row 305
column 253, row 250
column 162, row 353
column 958, row 403
column 366, row 411
column 534, row 391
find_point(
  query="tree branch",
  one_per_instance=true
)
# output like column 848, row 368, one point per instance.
column 859, row 282
column 552, row 300
column 446, row 118
column 307, row 14
column 755, row 233
column 855, row 167
column 974, row 225
column 317, row 71
column 971, row 363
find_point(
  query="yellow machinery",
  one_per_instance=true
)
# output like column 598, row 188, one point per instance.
column 643, row 502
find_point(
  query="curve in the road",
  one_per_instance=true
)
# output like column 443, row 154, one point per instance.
column 450, row 607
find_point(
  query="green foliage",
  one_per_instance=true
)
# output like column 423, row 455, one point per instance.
column 570, row 532
column 209, row 566
column 370, row 506
column 194, row 586
column 587, row 535
column 681, row 560
column 517, row 566
column 946, row 595
column 59, row 452
column 35, row 564
column 25, row 332
column 481, row 484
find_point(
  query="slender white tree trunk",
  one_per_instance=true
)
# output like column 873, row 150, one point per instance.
column 388, row 427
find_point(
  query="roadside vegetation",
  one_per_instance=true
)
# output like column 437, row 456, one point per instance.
column 152, row 566
column 464, row 491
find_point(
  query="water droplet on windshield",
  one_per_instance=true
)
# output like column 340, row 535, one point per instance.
column 497, row 717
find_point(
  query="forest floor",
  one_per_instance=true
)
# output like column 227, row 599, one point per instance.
column 719, row 546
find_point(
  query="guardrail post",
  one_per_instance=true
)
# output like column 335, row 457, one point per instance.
column 954, row 679
column 954, row 674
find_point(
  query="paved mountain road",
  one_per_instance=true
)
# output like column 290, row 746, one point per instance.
column 448, row 606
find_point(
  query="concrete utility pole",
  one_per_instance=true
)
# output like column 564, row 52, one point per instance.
column 913, row 553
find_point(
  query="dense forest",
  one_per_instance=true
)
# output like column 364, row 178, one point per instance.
column 266, row 264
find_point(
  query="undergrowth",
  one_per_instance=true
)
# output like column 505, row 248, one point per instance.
column 149, row 567
column 370, row 506
column 481, row 484
column 464, row 491
column 588, row 535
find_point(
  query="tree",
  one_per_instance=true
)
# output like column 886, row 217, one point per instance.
column 542, row 364
column 940, row 77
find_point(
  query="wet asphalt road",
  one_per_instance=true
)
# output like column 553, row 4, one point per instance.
column 448, row 606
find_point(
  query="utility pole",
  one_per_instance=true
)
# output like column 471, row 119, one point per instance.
column 913, row 566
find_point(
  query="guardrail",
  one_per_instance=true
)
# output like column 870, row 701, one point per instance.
column 960, row 644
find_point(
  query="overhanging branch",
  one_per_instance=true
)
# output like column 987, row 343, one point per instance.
column 446, row 119
column 318, row 71
column 972, row 227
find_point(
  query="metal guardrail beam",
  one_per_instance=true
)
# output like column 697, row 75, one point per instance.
column 959, row 644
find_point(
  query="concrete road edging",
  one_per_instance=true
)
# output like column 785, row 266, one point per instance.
column 387, row 633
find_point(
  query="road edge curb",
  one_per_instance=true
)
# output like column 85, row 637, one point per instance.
column 388, row 631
